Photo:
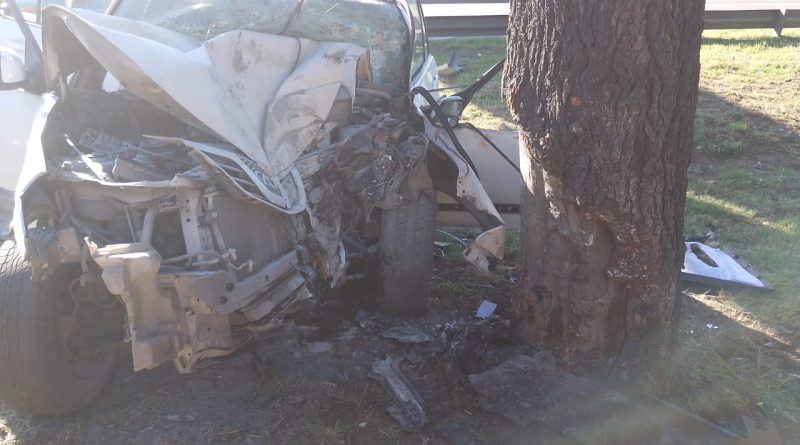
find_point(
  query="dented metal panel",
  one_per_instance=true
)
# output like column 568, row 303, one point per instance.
column 379, row 25
column 707, row 265
column 491, row 243
column 265, row 173
column 268, row 95
column 500, row 180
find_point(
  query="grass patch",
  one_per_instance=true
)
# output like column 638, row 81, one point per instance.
column 487, row 109
column 512, row 244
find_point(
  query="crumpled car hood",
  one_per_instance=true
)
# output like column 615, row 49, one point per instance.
column 268, row 95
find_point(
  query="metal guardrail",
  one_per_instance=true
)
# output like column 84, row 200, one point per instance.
column 457, row 18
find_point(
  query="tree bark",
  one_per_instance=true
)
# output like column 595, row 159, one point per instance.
column 604, row 93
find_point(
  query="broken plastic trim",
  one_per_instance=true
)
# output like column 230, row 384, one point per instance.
column 706, row 265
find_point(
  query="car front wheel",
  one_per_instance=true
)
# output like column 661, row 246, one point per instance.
column 406, row 268
column 57, row 346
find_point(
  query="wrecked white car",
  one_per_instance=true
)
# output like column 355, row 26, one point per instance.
column 198, row 170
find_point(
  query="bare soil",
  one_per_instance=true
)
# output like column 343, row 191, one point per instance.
column 280, row 389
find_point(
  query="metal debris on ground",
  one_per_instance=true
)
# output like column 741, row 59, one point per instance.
column 408, row 408
column 407, row 334
column 707, row 265
column 486, row 309
column 460, row 240
column 440, row 247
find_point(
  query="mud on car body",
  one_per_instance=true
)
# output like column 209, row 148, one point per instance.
column 200, row 170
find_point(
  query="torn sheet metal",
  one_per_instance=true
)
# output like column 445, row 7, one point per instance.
column 285, row 192
column 270, row 96
column 470, row 191
column 501, row 181
column 704, row 264
column 380, row 25
column 373, row 160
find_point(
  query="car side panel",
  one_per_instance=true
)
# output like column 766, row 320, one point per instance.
column 18, row 110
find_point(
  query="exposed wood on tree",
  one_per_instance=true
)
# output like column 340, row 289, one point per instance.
column 604, row 92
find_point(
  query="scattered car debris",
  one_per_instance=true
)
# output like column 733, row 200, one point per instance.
column 439, row 249
column 460, row 240
column 707, row 265
column 409, row 408
column 407, row 334
column 486, row 309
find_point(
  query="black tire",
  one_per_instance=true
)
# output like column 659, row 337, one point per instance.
column 406, row 268
column 37, row 375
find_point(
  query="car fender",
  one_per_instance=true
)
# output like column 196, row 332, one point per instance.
column 33, row 169
column 453, row 175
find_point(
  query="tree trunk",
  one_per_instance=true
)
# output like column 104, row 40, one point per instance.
column 604, row 93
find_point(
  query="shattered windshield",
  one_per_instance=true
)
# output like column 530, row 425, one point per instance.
column 205, row 19
column 381, row 26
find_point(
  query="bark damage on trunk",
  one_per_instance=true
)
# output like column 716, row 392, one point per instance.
column 604, row 93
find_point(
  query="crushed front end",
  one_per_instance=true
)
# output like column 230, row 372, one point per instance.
column 210, row 186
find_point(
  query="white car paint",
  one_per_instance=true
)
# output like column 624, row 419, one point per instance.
column 17, row 110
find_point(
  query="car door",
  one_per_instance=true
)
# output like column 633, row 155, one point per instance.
column 17, row 106
column 501, row 180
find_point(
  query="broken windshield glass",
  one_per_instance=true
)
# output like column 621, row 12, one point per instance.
column 382, row 27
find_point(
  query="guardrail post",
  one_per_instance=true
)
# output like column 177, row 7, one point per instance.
column 779, row 22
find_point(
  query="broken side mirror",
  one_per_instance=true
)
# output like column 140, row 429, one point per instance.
column 13, row 74
column 452, row 107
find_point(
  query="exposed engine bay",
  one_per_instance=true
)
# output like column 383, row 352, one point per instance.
column 211, row 208
column 172, row 220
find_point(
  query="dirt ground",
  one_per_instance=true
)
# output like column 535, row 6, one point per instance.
column 305, row 383
column 309, row 382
